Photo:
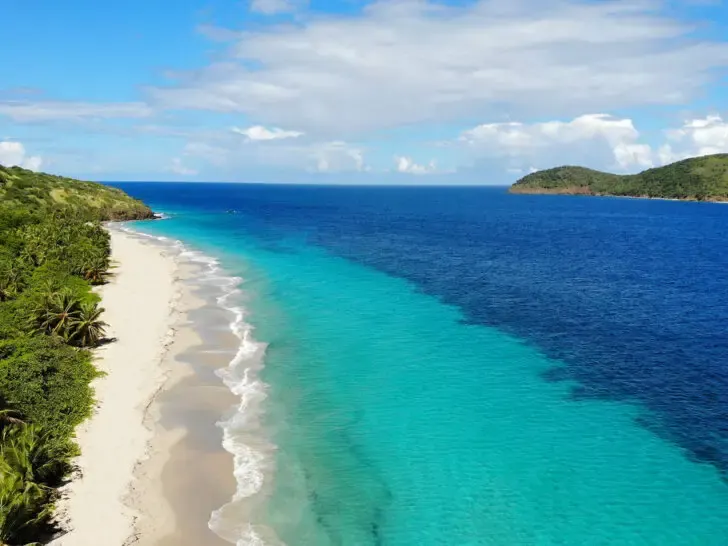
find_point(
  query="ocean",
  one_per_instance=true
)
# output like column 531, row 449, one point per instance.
column 461, row 366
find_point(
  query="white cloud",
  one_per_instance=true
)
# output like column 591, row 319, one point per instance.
column 337, row 156
column 588, row 136
column 272, row 7
column 33, row 163
column 13, row 153
column 258, row 132
column 701, row 136
column 514, row 136
column 597, row 140
column 179, row 168
column 68, row 111
column 417, row 61
column 629, row 156
column 226, row 153
column 406, row 165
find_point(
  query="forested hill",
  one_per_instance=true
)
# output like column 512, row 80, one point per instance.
column 39, row 191
column 700, row 179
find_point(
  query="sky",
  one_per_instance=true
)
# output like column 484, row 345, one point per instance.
column 359, row 92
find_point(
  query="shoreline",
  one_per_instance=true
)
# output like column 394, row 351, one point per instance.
column 140, row 307
column 158, row 466
column 585, row 192
column 176, row 502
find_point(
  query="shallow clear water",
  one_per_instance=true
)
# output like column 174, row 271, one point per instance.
column 458, row 366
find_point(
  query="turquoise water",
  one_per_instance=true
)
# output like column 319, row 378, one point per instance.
column 397, row 422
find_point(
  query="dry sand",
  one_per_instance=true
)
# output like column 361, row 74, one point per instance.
column 140, row 309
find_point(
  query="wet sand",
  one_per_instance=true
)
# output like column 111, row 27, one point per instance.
column 188, row 473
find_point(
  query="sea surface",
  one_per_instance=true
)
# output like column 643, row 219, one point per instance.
column 460, row 366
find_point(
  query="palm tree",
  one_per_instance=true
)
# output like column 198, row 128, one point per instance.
column 28, row 452
column 57, row 313
column 88, row 328
column 8, row 415
column 10, row 283
column 29, row 467
column 22, row 507
column 96, row 269
column 35, row 248
column 8, row 290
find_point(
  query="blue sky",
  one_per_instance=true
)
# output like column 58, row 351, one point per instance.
column 349, row 91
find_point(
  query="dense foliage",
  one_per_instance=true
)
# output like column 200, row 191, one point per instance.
column 21, row 187
column 52, row 250
column 700, row 178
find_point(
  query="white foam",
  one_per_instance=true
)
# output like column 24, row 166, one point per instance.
column 241, row 377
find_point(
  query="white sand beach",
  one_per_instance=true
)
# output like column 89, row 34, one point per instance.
column 140, row 309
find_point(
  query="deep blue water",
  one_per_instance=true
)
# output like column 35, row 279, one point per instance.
column 625, row 299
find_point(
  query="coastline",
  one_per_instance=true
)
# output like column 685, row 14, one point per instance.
column 175, row 501
column 140, row 303
column 586, row 192
column 158, row 464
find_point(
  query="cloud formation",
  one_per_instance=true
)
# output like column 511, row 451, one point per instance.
column 597, row 140
column 12, row 153
column 591, row 136
column 406, row 165
column 417, row 61
column 227, row 154
column 701, row 136
column 600, row 141
column 488, row 86
column 178, row 167
column 258, row 132
column 337, row 156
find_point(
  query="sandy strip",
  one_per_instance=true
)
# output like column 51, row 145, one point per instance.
column 187, row 474
column 140, row 309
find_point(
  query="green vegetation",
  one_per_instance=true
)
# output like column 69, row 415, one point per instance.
column 24, row 188
column 700, row 179
column 52, row 250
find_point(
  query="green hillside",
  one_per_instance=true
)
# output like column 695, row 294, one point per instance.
column 700, row 179
column 40, row 191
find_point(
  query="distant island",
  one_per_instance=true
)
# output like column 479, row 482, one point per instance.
column 695, row 179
